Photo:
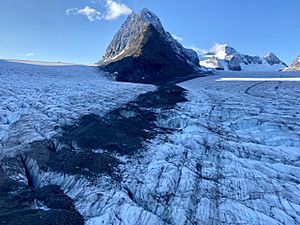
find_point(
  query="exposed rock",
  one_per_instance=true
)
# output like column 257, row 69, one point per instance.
column 295, row 65
column 142, row 51
column 272, row 59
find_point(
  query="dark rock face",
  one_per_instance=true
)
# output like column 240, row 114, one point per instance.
column 295, row 65
column 233, row 62
column 272, row 59
column 142, row 51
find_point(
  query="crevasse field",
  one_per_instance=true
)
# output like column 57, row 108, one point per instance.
column 36, row 96
column 232, row 156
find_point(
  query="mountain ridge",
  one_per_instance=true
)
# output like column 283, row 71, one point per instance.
column 225, row 57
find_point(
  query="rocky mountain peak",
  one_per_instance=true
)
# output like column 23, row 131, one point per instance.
column 150, row 17
column 142, row 51
column 124, row 39
column 272, row 59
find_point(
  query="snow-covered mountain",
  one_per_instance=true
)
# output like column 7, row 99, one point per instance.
column 225, row 57
column 295, row 65
column 142, row 51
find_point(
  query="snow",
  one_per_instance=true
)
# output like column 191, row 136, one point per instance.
column 262, row 67
column 43, row 63
column 116, row 56
column 259, row 79
column 226, row 58
column 36, row 98
column 221, row 51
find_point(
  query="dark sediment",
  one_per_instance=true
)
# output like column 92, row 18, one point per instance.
column 123, row 131
column 17, row 201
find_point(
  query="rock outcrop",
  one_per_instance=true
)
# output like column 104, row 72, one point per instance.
column 295, row 65
column 142, row 51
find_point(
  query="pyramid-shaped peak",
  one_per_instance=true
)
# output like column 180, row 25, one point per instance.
column 272, row 59
column 270, row 54
column 125, row 38
column 142, row 51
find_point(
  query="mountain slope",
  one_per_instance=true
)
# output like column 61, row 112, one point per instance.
column 295, row 65
column 224, row 57
column 142, row 51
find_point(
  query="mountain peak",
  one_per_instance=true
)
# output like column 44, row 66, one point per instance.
column 270, row 54
column 148, row 13
column 272, row 59
column 125, row 38
column 142, row 51
column 223, row 50
column 148, row 16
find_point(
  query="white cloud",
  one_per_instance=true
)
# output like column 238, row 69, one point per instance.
column 178, row 38
column 29, row 54
column 113, row 10
column 90, row 13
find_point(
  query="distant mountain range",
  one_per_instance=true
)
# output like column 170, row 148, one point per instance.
column 225, row 57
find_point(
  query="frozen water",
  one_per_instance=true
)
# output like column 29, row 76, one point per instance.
column 37, row 99
column 232, row 156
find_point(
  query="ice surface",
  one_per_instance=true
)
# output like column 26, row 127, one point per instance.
column 233, row 156
column 37, row 99
column 234, row 159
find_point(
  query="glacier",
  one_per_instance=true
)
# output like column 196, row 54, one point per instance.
column 36, row 98
column 225, row 152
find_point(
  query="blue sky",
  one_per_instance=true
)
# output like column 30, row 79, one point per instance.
column 80, row 30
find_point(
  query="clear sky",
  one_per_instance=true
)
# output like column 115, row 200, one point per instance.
column 80, row 30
